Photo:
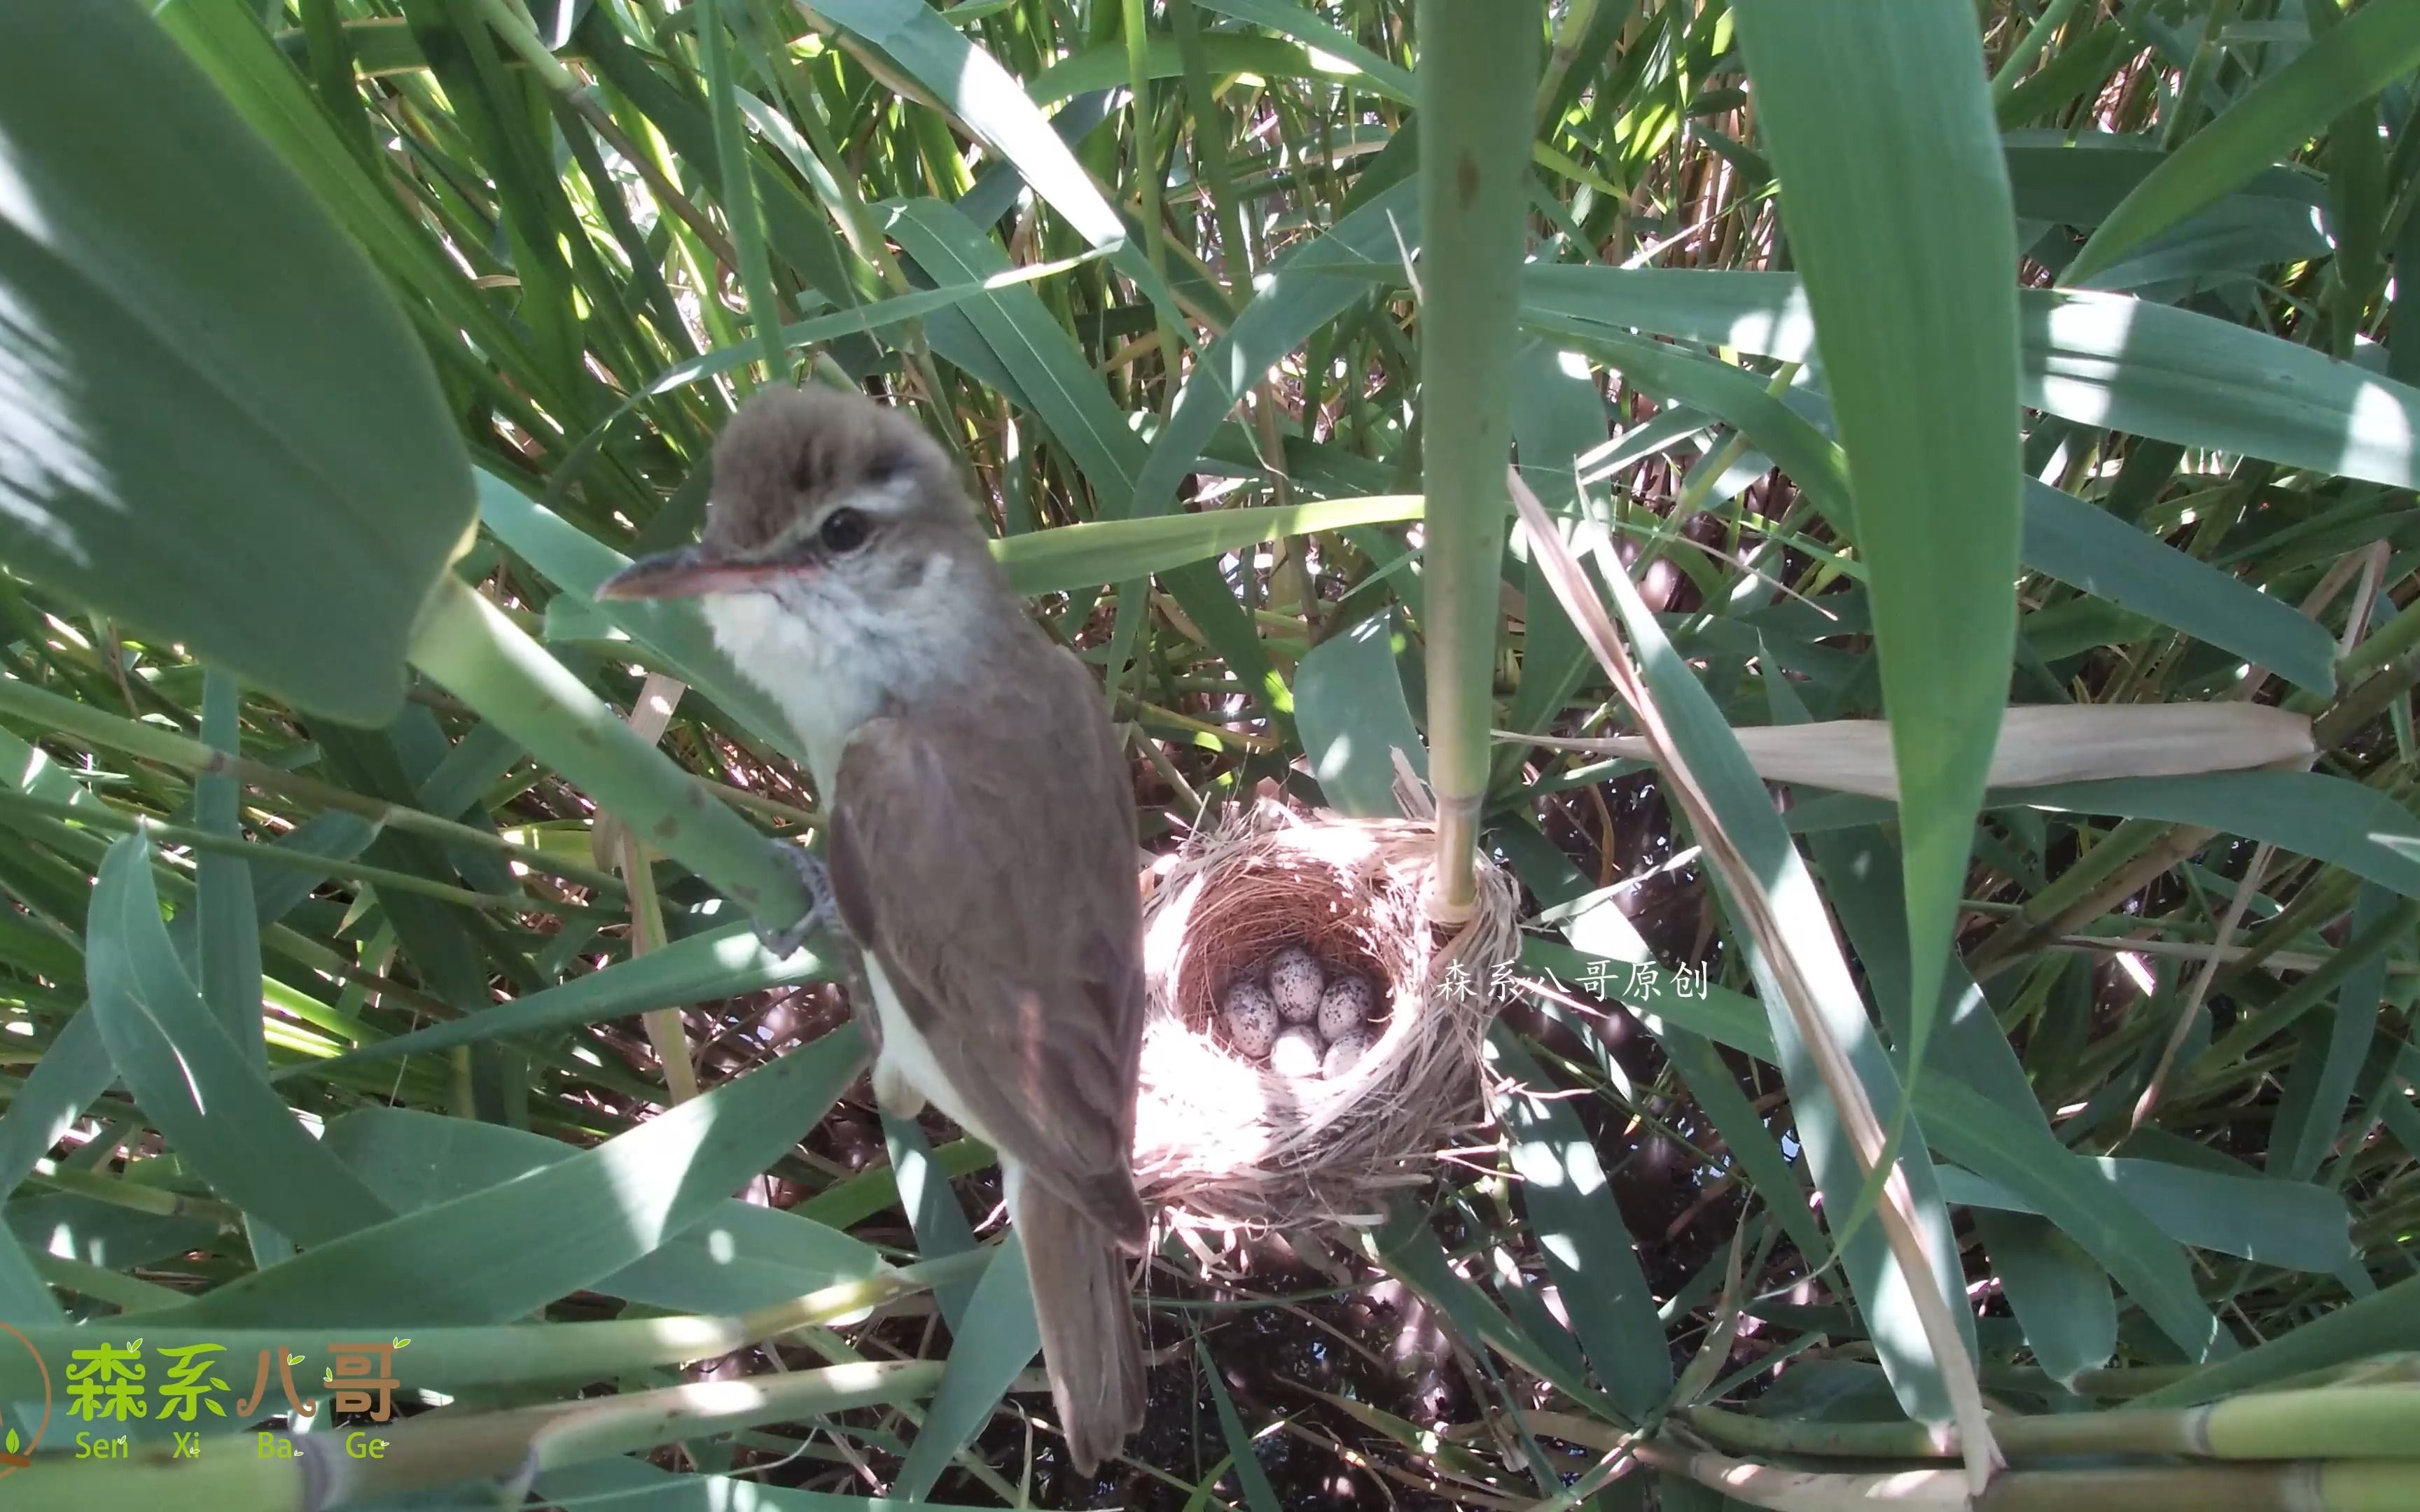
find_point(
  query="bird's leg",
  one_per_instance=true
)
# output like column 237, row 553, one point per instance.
column 891, row 1091
column 824, row 910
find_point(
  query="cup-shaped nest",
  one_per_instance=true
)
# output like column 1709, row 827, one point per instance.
column 1222, row 1140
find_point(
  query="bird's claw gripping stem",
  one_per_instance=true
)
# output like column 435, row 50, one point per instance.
column 824, row 913
column 817, row 877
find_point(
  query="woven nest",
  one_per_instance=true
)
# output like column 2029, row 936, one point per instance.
column 1223, row 1141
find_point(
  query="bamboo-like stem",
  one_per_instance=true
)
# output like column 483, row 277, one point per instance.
column 106, row 815
column 2020, row 57
column 2274, row 960
column 2231, row 1048
column 2374, row 1422
column 169, row 749
column 2380, row 1422
column 2390, row 643
column 467, row 644
column 650, row 718
column 508, row 1447
column 521, row 1354
column 2186, row 105
column 133, row 1195
column 1577, row 18
column 2131, row 867
column 2292, row 1485
column 513, row 24
column 739, row 207
column 2244, row 889
column 1475, row 62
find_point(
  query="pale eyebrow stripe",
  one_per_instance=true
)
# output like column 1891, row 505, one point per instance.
column 884, row 503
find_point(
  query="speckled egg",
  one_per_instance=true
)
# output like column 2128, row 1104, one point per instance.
column 1345, row 1006
column 1349, row 1047
column 1250, row 1019
column 1297, row 1053
column 1294, row 980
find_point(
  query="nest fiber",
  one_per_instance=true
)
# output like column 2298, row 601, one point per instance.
column 1222, row 1140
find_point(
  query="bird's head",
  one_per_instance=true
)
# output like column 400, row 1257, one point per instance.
column 833, row 511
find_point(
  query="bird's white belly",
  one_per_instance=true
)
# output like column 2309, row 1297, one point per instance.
column 827, row 684
column 906, row 1057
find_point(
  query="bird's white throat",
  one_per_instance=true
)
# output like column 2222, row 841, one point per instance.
column 831, row 659
column 824, row 687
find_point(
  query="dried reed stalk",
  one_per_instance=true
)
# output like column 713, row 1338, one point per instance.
column 2058, row 743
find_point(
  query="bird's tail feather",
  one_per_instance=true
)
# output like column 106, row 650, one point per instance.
column 1091, row 1347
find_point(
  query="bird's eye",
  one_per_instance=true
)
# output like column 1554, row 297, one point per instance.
column 844, row 530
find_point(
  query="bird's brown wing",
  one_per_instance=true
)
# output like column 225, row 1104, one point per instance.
column 983, row 847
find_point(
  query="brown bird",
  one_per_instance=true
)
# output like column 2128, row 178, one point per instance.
column 982, row 834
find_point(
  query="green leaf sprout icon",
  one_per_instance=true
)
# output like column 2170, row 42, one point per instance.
column 11, row 1442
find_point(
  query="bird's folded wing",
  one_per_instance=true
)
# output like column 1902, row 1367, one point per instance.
column 999, row 895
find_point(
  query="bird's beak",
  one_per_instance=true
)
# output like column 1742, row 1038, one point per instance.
column 683, row 574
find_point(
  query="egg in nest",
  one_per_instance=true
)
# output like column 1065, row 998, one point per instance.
column 1250, row 1019
column 1296, row 1051
column 1345, row 1005
column 1347, row 1048
column 1295, row 979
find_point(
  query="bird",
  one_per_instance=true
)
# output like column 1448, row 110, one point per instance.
column 981, row 841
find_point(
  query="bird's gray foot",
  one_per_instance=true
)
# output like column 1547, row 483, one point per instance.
column 824, row 912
